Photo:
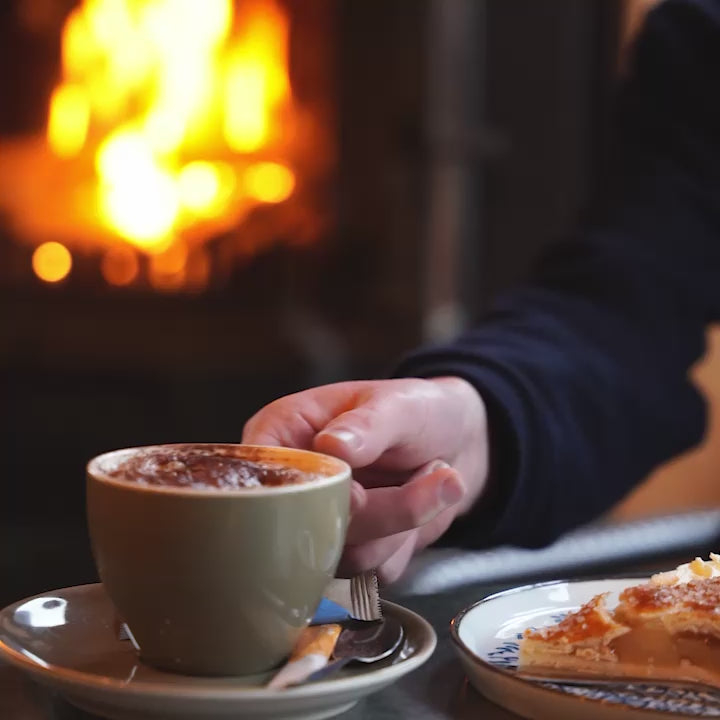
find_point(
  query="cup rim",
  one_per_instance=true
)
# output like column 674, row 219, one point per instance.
column 96, row 473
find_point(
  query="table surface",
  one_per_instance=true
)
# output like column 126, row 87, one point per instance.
column 438, row 690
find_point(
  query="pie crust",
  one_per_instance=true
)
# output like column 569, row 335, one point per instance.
column 666, row 629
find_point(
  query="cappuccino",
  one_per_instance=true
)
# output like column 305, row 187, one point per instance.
column 204, row 468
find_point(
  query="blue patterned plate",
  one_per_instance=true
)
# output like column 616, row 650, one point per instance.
column 486, row 636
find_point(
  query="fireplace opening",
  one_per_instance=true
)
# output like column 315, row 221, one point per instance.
column 168, row 125
column 192, row 225
column 202, row 211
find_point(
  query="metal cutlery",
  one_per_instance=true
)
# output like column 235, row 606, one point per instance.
column 364, row 643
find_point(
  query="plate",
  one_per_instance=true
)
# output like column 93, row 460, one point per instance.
column 486, row 637
column 66, row 640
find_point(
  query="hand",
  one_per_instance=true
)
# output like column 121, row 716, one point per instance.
column 418, row 449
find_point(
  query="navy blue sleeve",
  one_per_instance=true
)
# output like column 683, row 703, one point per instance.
column 584, row 368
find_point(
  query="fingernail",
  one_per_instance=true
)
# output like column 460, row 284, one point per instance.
column 436, row 465
column 451, row 491
column 358, row 496
column 346, row 437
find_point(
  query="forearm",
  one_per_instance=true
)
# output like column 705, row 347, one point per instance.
column 584, row 370
column 574, row 421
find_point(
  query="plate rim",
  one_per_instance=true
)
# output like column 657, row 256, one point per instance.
column 70, row 680
column 504, row 674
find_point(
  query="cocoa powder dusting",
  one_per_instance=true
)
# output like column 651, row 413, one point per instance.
column 205, row 469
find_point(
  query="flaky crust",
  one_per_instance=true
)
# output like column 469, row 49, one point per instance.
column 684, row 603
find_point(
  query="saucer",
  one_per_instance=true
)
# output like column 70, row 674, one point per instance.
column 66, row 639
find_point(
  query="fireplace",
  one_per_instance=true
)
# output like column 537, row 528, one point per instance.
column 305, row 216
column 170, row 128
column 162, row 285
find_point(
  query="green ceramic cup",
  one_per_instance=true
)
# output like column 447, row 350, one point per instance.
column 218, row 582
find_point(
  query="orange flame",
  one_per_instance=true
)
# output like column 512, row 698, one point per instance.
column 171, row 115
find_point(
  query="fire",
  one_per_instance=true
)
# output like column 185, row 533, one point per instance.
column 269, row 182
column 171, row 121
column 68, row 121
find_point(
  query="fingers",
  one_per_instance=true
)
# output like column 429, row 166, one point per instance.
column 392, row 510
column 358, row 498
column 388, row 523
column 279, row 424
column 390, row 556
column 360, row 436
column 392, row 568
column 389, row 424
column 358, row 558
column 392, row 419
column 384, row 430
column 293, row 420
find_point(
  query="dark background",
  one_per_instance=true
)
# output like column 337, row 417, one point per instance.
column 469, row 135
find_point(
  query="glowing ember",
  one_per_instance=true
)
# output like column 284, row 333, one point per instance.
column 172, row 120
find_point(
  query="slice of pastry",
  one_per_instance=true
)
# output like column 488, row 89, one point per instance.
column 581, row 641
column 667, row 629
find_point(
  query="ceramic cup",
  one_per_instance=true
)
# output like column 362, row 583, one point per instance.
column 218, row 582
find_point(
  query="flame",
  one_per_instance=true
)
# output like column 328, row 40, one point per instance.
column 68, row 120
column 174, row 118
column 256, row 79
column 269, row 182
column 205, row 188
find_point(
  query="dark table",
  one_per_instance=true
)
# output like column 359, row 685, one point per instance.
column 435, row 691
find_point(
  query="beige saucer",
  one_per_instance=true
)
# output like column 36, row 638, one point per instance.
column 65, row 639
